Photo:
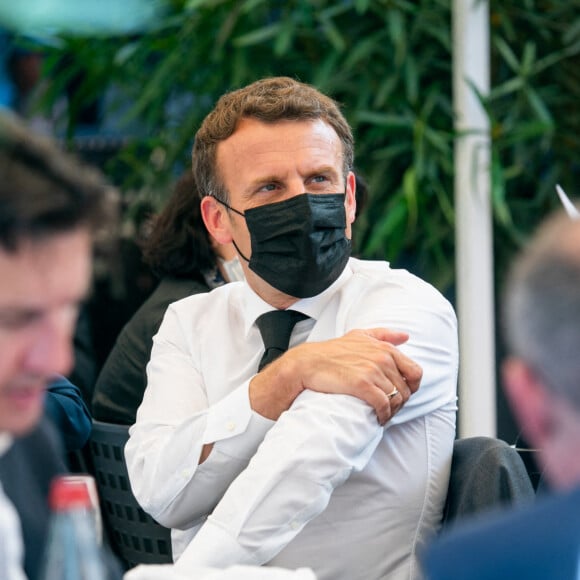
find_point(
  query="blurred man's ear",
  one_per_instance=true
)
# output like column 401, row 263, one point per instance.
column 529, row 401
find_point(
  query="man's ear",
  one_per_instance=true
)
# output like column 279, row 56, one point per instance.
column 215, row 219
column 529, row 401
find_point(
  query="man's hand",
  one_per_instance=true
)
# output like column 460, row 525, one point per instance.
column 363, row 363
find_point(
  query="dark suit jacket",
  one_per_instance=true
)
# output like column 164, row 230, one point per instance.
column 122, row 380
column 539, row 541
column 26, row 471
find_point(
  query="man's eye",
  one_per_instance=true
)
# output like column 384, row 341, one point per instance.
column 320, row 179
column 13, row 321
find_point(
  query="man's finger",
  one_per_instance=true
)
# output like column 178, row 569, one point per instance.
column 395, row 337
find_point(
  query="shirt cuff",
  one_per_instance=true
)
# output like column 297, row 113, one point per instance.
column 232, row 416
column 213, row 546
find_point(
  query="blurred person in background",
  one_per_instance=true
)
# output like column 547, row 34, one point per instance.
column 542, row 382
column 187, row 261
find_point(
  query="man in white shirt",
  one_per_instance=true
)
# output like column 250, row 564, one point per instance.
column 49, row 208
column 321, row 459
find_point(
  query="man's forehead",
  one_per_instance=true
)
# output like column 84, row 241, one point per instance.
column 281, row 143
column 43, row 272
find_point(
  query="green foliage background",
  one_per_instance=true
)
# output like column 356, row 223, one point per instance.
column 389, row 63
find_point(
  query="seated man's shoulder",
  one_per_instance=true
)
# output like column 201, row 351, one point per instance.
column 396, row 283
column 523, row 540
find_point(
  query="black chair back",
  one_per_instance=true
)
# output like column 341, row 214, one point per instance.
column 134, row 535
column 485, row 474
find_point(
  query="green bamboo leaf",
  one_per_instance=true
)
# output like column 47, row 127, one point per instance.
column 284, row 39
column 125, row 53
column 335, row 9
column 395, row 220
column 539, row 106
column 257, row 36
column 439, row 141
column 555, row 57
column 384, row 119
column 387, row 87
column 361, row 6
column 512, row 86
column 249, row 6
column 528, row 59
column 396, row 27
column 388, row 153
column 498, row 192
column 411, row 80
column 333, row 35
column 411, row 197
column 419, row 159
column 525, row 131
column 572, row 34
column 508, row 54
column 364, row 50
column 445, row 203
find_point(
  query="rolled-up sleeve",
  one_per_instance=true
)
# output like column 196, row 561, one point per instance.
column 312, row 449
column 173, row 423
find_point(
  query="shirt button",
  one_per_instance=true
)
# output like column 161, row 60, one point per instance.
column 185, row 473
column 294, row 525
column 230, row 426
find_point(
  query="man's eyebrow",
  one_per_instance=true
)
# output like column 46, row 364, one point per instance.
column 275, row 178
column 265, row 179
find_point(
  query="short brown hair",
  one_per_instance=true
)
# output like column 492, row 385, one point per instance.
column 44, row 190
column 268, row 100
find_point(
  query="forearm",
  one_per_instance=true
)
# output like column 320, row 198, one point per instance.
column 166, row 473
column 312, row 449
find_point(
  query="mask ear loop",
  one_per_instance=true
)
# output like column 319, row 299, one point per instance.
column 228, row 206
column 239, row 213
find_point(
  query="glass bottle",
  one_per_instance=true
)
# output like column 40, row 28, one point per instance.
column 72, row 550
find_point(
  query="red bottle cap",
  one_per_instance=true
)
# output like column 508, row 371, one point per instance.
column 68, row 494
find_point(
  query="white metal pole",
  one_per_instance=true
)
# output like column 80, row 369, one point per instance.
column 473, row 229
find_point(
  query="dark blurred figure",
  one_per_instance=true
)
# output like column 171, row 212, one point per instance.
column 66, row 408
column 542, row 382
column 50, row 208
column 186, row 261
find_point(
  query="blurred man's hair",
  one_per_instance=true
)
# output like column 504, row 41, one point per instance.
column 541, row 313
column 44, row 190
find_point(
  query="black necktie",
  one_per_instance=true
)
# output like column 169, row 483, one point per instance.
column 276, row 327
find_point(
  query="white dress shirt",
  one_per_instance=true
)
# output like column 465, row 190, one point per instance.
column 11, row 548
column 324, row 487
column 169, row 572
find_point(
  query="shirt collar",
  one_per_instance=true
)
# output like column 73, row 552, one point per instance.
column 254, row 306
column 5, row 442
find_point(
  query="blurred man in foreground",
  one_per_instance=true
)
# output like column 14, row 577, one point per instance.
column 50, row 206
column 542, row 382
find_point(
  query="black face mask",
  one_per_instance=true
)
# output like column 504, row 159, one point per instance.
column 298, row 245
